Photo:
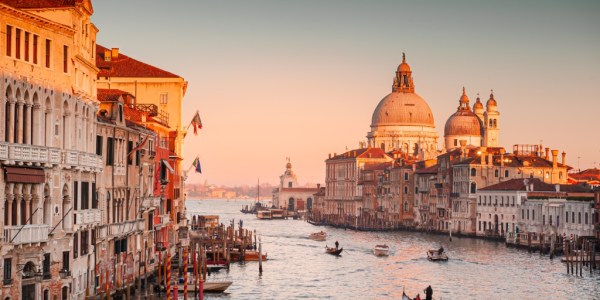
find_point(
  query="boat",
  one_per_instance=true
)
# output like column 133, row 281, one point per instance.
column 252, row 255
column 264, row 215
column 277, row 213
column 333, row 251
column 209, row 287
column 318, row 236
column 435, row 255
column 381, row 250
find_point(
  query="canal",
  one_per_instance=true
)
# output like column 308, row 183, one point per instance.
column 297, row 267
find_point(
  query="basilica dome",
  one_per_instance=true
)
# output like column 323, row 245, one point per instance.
column 402, row 108
column 463, row 122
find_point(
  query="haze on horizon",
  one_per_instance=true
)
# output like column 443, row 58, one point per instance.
column 300, row 79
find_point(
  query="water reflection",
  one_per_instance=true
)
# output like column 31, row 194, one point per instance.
column 299, row 268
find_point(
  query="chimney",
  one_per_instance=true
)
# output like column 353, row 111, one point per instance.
column 564, row 158
column 554, row 158
column 329, row 155
column 547, row 157
column 114, row 53
column 107, row 55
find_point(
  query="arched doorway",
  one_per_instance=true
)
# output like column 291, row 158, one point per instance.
column 309, row 204
column 65, row 293
column 28, row 282
column 496, row 224
column 291, row 204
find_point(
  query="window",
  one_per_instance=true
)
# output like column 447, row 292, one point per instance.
column 473, row 172
column 110, row 152
column 405, row 190
column 523, row 214
column 455, row 142
column 528, row 214
column 586, row 218
column 99, row 145
column 84, row 242
column 85, row 195
column 76, row 245
column 18, row 43
column 573, row 217
column 46, row 266
column 496, row 173
column 547, row 174
column 506, row 173
column 579, row 218
column 35, row 49
column 164, row 98
column 94, row 196
column 47, row 53
column 405, row 176
column 129, row 149
column 473, row 187
column 8, row 40
column 75, row 199
column 65, row 58
column 533, row 214
column 66, row 257
column 290, row 184
column 26, row 46
column 7, row 270
column 567, row 217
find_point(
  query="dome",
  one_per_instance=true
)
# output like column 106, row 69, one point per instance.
column 403, row 67
column 463, row 122
column 478, row 105
column 401, row 108
column 491, row 103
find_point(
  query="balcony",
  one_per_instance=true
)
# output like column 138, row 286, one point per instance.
column 28, row 235
column 88, row 216
column 162, row 220
column 90, row 160
column 29, row 153
column 120, row 229
column 150, row 202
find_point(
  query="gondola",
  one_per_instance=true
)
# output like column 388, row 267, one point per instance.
column 333, row 251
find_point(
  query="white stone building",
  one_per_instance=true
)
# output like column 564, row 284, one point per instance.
column 289, row 195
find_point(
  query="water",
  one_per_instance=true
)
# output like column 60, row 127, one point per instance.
column 299, row 268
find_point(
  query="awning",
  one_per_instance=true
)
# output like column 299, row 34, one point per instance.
column 24, row 175
column 166, row 164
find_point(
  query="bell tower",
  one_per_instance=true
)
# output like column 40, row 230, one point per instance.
column 403, row 82
column 491, row 117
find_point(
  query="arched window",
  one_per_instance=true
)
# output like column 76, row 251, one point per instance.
column 533, row 214
column 506, row 173
column 405, row 206
column 586, row 218
column 567, row 217
column 473, row 172
column 579, row 218
column 496, row 173
column 473, row 187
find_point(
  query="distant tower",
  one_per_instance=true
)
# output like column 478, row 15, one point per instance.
column 463, row 125
column 491, row 117
column 478, row 108
column 288, row 179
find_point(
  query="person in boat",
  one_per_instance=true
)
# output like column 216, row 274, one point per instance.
column 428, row 293
column 336, row 245
column 441, row 250
column 417, row 297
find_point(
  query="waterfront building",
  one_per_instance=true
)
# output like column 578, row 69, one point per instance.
column 289, row 195
column 597, row 213
column 162, row 93
column 344, row 197
column 373, row 181
column 498, row 206
column 404, row 202
column 426, row 197
column 589, row 176
column 555, row 209
column 49, row 166
column 403, row 120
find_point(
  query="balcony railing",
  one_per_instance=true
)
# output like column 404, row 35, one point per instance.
column 126, row 227
column 28, row 235
column 88, row 216
column 29, row 153
column 149, row 202
column 162, row 220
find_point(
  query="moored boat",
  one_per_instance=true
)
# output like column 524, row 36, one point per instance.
column 318, row 236
column 251, row 255
column 209, row 287
column 277, row 213
column 381, row 250
column 264, row 215
column 333, row 251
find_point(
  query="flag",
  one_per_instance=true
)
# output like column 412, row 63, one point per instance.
column 196, row 123
column 197, row 166
column 139, row 146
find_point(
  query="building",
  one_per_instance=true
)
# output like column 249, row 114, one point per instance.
column 289, row 195
column 403, row 120
column 465, row 125
column 49, row 166
column 589, row 176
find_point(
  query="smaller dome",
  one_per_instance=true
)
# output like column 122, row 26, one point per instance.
column 463, row 122
column 478, row 105
column 403, row 67
column 464, row 98
column 491, row 103
column 288, row 165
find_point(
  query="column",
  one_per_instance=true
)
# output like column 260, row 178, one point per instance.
column 20, row 122
column 9, row 199
column 18, row 198
column 27, row 121
column 48, row 134
column 27, row 199
column 11, row 122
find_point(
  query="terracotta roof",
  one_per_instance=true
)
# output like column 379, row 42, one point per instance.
column 111, row 94
column 25, row 4
column 512, row 160
column 538, row 186
column 430, row 170
column 376, row 166
column 362, row 153
column 125, row 66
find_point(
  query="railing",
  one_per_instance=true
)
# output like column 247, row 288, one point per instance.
column 126, row 227
column 90, row 160
column 88, row 216
column 28, row 235
column 70, row 157
column 149, row 202
column 29, row 153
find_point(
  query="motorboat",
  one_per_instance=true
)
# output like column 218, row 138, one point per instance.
column 252, row 255
column 318, row 236
column 277, row 213
column 381, row 250
column 333, row 251
column 437, row 255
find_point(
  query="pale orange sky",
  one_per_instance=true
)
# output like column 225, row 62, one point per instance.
column 277, row 79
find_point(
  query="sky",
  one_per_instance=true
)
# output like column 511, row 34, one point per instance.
column 301, row 79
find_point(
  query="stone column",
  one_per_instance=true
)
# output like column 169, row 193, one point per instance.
column 11, row 122
column 27, row 198
column 18, row 198
column 9, row 199
column 27, row 122
column 20, row 122
column 48, row 132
